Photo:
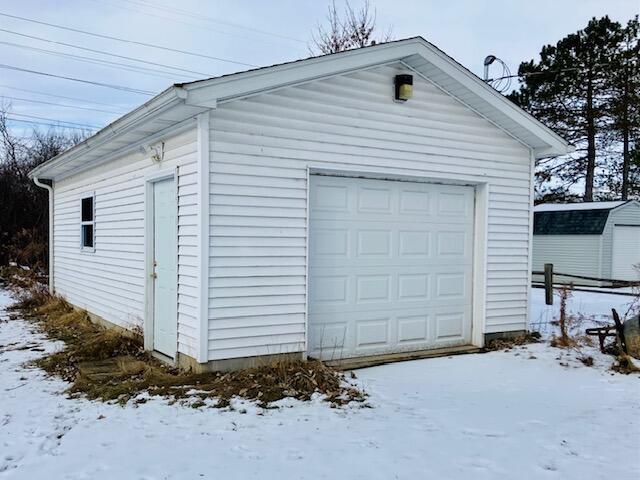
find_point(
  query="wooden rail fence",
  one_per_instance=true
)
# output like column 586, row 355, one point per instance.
column 550, row 280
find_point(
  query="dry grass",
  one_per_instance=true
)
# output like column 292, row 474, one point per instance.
column 20, row 279
column 508, row 343
column 587, row 360
column 102, row 364
column 624, row 364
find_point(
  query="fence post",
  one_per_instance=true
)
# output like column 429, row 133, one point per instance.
column 548, row 283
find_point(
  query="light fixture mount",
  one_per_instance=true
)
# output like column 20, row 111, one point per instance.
column 404, row 87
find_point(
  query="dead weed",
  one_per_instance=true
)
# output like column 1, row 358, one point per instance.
column 102, row 364
column 624, row 364
column 508, row 343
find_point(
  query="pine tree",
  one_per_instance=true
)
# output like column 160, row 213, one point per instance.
column 569, row 90
column 625, row 104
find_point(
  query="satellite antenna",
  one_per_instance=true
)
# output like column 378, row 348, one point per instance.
column 501, row 83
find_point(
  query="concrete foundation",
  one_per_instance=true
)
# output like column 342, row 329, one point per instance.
column 503, row 335
column 185, row 362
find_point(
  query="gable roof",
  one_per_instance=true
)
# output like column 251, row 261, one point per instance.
column 182, row 102
column 587, row 218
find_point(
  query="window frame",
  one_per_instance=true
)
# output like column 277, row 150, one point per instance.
column 92, row 223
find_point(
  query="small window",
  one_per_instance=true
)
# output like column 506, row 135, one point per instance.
column 87, row 223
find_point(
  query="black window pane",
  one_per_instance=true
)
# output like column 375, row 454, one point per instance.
column 87, row 236
column 87, row 209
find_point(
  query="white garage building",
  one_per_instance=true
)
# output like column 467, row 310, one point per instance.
column 310, row 208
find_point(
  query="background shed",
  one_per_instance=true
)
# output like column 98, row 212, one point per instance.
column 597, row 239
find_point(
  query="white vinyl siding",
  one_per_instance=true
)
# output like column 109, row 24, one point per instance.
column 110, row 282
column 261, row 147
column 571, row 254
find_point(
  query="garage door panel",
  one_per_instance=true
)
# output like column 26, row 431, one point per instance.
column 350, row 307
column 383, row 218
column 339, row 291
column 372, row 332
column 391, row 246
column 390, row 266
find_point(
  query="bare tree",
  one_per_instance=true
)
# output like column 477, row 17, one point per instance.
column 23, row 206
column 354, row 28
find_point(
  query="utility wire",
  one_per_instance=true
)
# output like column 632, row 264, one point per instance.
column 72, row 79
column 60, row 104
column 546, row 72
column 199, row 16
column 172, row 18
column 124, row 40
column 54, row 120
column 75, row 99
column 31, row 122
column 71, row 45
column 98, row 61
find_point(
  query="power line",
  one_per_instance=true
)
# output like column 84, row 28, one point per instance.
column 199, row 16
column 546, row 72
column 71, row 45
column 55, row 120
column 171, row 17
column 31, row 122
column 59, row 104
column 90, row 82
column 97, row 61
column 124, row 40
column 75, row 99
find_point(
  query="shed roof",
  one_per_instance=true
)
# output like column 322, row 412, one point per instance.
column 556, row 207
column 588, row 218
column 182, row 102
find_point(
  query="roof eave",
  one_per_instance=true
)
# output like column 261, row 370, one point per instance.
column 161, row 102
column 556, row 145
column 208, row 93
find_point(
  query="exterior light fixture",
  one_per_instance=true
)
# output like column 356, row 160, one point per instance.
column 404, row 87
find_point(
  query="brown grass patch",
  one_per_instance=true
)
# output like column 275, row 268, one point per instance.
column 564, row 342
column 20, row 279
column 624, row 364
column 587, row 360
column 102, row 364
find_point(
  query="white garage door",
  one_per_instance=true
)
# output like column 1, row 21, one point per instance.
column 626, row 252
column 390, row 266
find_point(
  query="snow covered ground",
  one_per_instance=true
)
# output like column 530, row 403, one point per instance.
column 530, row 413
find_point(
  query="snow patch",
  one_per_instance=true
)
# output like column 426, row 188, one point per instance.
column 531, row 412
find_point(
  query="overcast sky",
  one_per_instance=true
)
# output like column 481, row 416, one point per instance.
column 247, row 32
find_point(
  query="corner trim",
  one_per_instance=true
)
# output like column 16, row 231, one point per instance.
column 203, row 235
column 532, row 191
column 479, row 288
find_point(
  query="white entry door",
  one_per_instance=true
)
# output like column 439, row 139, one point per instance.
column 390, row 266
column 164, row 268
column 626, row 252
